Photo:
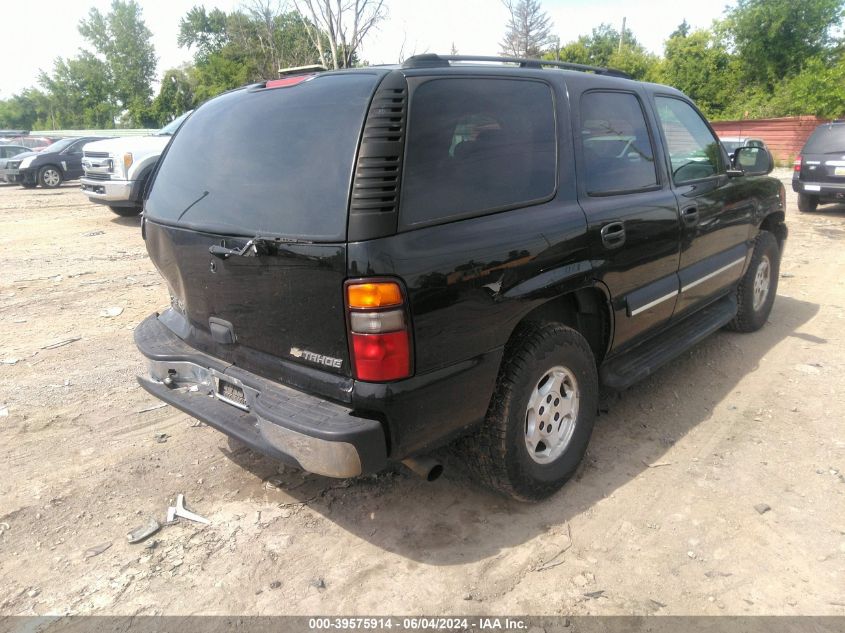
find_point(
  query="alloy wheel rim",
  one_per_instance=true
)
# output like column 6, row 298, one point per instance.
column 51, row 177
column 762, row 282
column 551, row 415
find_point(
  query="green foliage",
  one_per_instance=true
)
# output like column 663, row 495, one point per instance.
column 123, row 42
column 766, row 58
column 598, row 48
column 699, row 65
column 205, row 32
column 602, row 48
column 775, row 38
column 244, row 46
column 80, row 93
column 818, row 89
column 29, row 110
column 637, row 62
column 175, row 96
column 96, row 89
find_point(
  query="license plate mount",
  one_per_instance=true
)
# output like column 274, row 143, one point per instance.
column 231, row 393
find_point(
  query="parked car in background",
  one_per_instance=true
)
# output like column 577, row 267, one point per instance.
column 51, row 166
column 118, row 169
column 32, row 143
column 365, row 265
column 7, row 151
column 733, row 143
column 818, row 176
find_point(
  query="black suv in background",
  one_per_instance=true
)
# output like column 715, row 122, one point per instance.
column 818, row 176
column 446, row 250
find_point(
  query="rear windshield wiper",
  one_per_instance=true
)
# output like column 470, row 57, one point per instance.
column 256, row 246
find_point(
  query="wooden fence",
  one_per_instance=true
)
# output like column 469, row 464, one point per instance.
column 784, row 136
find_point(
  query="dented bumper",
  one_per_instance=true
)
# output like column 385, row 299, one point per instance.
column 307, row 431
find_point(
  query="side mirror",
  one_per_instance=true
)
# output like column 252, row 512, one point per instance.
column 752, row 161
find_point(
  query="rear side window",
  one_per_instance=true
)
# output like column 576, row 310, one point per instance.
column 617, row 150
column 274, row 162
column 694, row 153
column 826, row 139
column 476, row 146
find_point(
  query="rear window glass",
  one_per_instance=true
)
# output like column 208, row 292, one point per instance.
column 827, row 139
column 275, row 162
column 476, row 146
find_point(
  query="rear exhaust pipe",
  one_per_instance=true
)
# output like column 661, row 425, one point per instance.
column 426, row 467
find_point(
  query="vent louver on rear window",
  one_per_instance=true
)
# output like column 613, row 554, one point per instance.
column 374, row 203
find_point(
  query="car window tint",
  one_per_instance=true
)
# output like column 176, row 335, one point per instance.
column 615, row 144
column 275, row 161
column 476, row 146
column 826, row 139
column 693, row 150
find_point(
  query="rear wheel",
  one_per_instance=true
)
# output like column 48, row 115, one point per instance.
column 126, row 212
column 540, row 417
column 807, row 204
column 50, row 177
column 758, row 286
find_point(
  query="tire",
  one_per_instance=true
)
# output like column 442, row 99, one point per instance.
column 50, row 177
column 758, row 286
column 510, row 452
column 126, row 212
column 807, row 204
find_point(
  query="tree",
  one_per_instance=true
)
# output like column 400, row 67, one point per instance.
column 175, row 96
column 598, row 48
column 206, row 32
column 80, row 91
column 124, row 43
column 637, row 62
column 818, row 89
column 699, row 64
column 340, row 26
column 682, row 30
column 774, row 38
column 529, row 29
column 244, row 46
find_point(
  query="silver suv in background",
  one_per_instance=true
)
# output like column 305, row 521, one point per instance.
column 118, row 169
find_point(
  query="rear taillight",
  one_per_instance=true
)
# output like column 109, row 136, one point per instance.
column 379, row 333
column 796, row 164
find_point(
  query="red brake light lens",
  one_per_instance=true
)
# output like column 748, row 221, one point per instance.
column 796, row 164
column 286, row 82
column 381, row 357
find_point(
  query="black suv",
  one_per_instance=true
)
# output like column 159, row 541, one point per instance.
column 819, row 173
column 367, row 264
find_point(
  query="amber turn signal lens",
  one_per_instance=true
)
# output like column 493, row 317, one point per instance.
column 374, row 295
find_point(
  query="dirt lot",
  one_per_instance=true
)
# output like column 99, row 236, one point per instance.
column 661, row 519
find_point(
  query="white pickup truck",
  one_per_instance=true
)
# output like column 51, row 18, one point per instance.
column 117, row 170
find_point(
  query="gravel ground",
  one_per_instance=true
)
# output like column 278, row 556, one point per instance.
column 717, row 486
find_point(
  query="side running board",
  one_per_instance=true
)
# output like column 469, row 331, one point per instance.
column 623, row 371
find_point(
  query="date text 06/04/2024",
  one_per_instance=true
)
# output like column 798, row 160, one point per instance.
column 418, row 623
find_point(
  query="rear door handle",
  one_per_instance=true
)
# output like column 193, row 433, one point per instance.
column 613, row 235
column 690, row 216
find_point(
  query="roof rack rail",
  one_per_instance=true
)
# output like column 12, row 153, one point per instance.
column 297, row 70
column 430, row 60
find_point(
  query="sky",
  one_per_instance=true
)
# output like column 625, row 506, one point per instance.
column 30, row 42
